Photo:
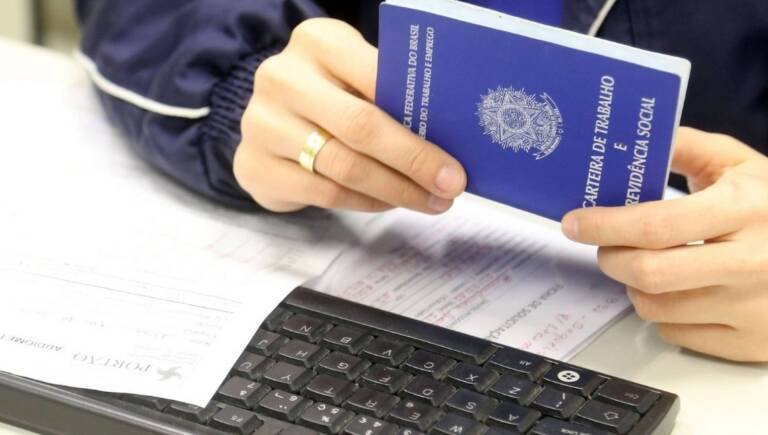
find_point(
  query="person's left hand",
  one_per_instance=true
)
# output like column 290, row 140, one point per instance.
column 711, row 297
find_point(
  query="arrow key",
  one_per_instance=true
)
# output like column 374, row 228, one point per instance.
column 610, row 417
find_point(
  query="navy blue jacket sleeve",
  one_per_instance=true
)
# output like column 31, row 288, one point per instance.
column 176, row 75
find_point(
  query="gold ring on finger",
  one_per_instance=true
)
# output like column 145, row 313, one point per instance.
column 312, row 145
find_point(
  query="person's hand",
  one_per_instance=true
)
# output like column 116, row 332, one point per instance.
column 326, row 77
column 710, row 297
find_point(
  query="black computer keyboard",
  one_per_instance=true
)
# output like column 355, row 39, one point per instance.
column 320, row 364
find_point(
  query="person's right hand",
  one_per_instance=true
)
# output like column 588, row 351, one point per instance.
column 326, row 77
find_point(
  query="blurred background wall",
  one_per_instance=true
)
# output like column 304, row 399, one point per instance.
column 50, row 23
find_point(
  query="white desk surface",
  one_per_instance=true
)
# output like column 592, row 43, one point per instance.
column 716, row 395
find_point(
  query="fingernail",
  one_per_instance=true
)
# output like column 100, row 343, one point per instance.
column 570, row 226
column 449, row 180
column 435, row 203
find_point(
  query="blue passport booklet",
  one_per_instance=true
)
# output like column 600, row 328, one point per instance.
column 543, row 119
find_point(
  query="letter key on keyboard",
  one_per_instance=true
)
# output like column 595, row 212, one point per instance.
column 414, row 414
column 470, row 403
column 452, row 424
column 252, row 366
column 344, row 365
column 305, row 327
column 301, row 353
column 266, row 343
column 429, row 364
column 471, row 377
column 511, row 416
column 327, row 388
column 383, row 378
column 241, row 392
column 346, row 339
column 287, row 376
column 371, row 402
column 387, row 351
column 515, row 389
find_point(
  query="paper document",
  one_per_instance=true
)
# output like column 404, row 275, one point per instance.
column 484, row 273
column 112, row 277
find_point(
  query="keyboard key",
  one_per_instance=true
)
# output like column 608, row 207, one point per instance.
column 147, row 401
column 252, row 366
column 297, row 430
column 470, row 404
column 365, row 425
column 452, row 424
column 471, row 377
column 512, row 416
column 301, row 353
column 519, row 362
column 551, row 426
column 557, row 403
column 429, row 364
column 324, row 417
column 429, row 390
column 191, row 412
column 606, row 416
column 387, row 351
column 287, row 376
column 409, row 431
column 341, row 364
column 371, row 402
column 494, row 430
column 346, row 339
column 282, row 405
column 236, row 420
column 515, row 389
column 266, row 343
column 383, row 378
column 241, row 392
column 574, row 380
column 276, row 319
column 305, row 327
column 326, row 388
column 624, row 394
column 414, row 414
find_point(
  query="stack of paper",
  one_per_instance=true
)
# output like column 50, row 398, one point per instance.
column 115, row 279
column 493, row 274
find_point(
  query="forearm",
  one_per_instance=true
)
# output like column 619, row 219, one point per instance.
column 176, row 75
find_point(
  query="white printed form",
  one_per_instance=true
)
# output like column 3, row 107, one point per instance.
column 112, row 277
column 484, row 273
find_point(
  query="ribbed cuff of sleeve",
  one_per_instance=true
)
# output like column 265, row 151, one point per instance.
column 221, row 130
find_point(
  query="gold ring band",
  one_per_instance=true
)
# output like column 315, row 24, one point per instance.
column 312, row 146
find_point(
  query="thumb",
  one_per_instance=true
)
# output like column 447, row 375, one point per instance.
column 702, row 156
